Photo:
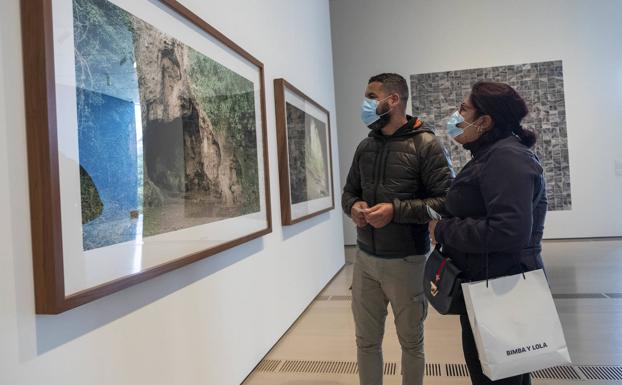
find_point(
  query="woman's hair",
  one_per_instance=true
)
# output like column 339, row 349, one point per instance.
column 506, row 108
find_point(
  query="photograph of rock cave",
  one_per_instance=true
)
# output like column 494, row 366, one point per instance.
column 167, row 135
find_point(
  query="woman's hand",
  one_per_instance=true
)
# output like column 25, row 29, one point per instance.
column 431, row 229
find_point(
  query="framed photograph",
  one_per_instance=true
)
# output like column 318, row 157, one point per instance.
column 305, row 157
column 146, row 144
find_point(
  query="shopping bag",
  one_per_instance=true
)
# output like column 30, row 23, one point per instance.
column 515, row 324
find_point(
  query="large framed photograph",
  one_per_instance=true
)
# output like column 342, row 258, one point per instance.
column 146, row 144
column 305, row 156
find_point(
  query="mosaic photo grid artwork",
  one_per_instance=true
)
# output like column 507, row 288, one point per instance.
column 435, row 96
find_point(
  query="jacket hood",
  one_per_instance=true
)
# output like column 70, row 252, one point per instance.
column 413, row 126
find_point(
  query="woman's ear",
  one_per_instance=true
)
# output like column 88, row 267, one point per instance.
column 486, row 123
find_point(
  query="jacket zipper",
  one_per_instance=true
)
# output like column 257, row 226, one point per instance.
column 378, row 166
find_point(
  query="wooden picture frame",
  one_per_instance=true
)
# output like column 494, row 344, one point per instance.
column 81, row 255
column 305, row 154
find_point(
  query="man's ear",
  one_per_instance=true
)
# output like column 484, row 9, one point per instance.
column 395, row 100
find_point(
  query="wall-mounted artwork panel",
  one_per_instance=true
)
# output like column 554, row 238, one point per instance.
column 305, row 158
column 435, row 96
column 147, row 144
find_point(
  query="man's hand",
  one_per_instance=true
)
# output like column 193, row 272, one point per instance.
column 431, row 229
column 380, row 215
column 358, row 213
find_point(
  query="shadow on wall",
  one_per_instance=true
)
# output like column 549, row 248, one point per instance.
column 300, row 227
column 55, row 330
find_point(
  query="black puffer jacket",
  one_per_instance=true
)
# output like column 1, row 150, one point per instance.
column 409, row 169
column 498, row 204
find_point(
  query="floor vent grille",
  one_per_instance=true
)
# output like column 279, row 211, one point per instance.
column 433, row 370
column 320, row 367
column 457, row 370
column 390, row 368
column 557, row 373
column 576, row 373
column 268, row 365
column 602, row 372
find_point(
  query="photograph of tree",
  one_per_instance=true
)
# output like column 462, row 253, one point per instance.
column 308, row 157
column 167, row 136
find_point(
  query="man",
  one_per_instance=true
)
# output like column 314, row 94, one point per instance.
column 397, row 170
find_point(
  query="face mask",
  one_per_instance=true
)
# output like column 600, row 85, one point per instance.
column 370, row 117
column 452, row 125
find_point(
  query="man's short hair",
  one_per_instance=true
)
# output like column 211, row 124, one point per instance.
column 393, row 83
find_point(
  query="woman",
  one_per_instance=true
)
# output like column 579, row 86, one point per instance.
column 497, row 202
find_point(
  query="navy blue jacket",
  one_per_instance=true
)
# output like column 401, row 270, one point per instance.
column 498, row 204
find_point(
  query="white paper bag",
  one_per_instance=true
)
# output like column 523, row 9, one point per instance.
column 515, row 324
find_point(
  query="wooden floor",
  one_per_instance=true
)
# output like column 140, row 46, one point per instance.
column 585, row 277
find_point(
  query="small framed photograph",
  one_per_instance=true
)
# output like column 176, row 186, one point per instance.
column 305, row 157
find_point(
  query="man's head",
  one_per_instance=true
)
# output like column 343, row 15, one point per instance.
column 391, row 93
column 389, row 85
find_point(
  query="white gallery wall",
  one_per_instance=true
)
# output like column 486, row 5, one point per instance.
column 421, row 36
column 207, row 323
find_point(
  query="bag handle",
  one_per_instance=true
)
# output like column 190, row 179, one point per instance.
column 437, row 277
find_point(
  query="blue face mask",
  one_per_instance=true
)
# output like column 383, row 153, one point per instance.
column 368, row 111
column 452, row 125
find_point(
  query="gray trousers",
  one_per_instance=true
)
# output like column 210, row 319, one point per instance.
column 377, row 282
